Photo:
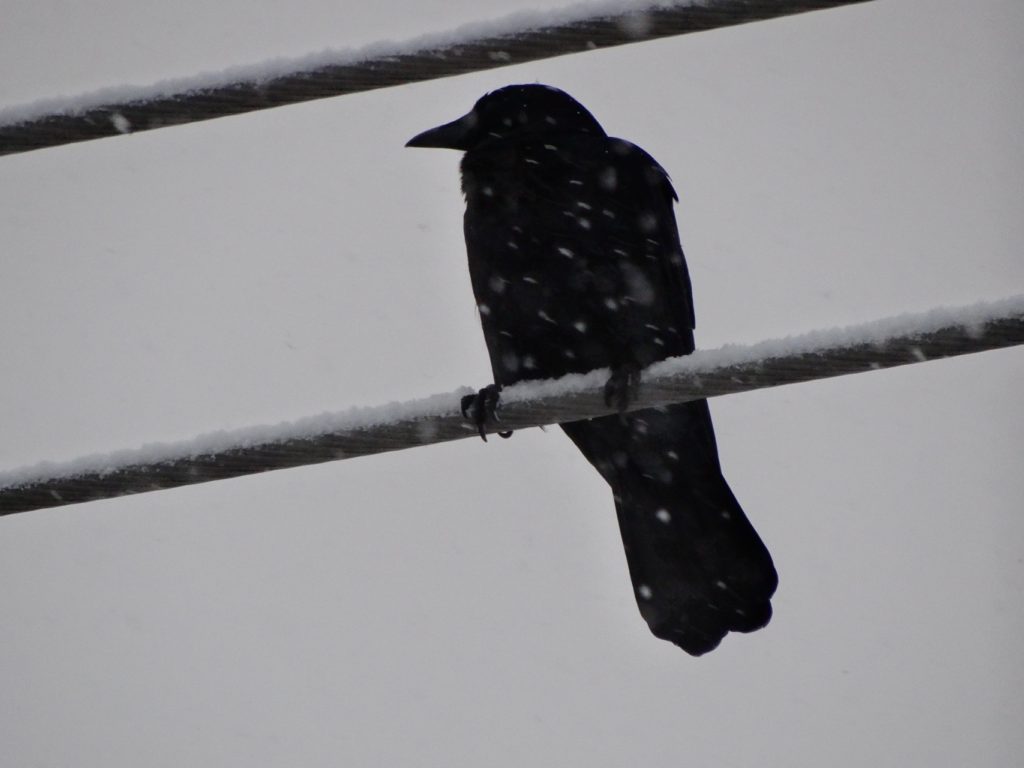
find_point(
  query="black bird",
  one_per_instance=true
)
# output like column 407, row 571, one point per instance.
column 576, row 264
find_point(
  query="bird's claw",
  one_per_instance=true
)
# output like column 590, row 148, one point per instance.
column 482, row 408
column 622, row 387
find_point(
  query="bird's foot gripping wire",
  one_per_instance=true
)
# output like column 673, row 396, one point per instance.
column 622, row 386
column 482, row 408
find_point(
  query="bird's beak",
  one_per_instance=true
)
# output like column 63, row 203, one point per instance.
column 454, row 135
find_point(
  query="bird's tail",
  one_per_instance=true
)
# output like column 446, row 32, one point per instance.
column 698, row 567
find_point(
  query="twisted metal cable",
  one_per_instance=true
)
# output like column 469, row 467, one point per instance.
column 300, row 81
column 701, row 375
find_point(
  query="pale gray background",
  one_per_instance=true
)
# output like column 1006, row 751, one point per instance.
column 469, row 604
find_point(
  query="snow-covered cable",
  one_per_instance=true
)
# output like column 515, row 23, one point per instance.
column 512, row 40
column 362, row 431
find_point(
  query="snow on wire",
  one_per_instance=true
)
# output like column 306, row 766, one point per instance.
column 514, row 39
column 363, row 431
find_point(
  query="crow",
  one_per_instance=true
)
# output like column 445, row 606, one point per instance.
column 576, row 264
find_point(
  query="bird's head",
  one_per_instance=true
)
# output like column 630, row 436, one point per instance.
column 515, row 111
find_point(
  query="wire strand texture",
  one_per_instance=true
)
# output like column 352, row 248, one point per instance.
column 701, row 375
column 403, row 64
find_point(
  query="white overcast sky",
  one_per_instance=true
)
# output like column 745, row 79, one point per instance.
column 468, row 604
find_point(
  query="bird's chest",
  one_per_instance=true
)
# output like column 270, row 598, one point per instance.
column 532, row 248
column 531, row 214
column 548, row 286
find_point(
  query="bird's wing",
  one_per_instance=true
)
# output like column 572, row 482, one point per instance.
column 614, row 203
